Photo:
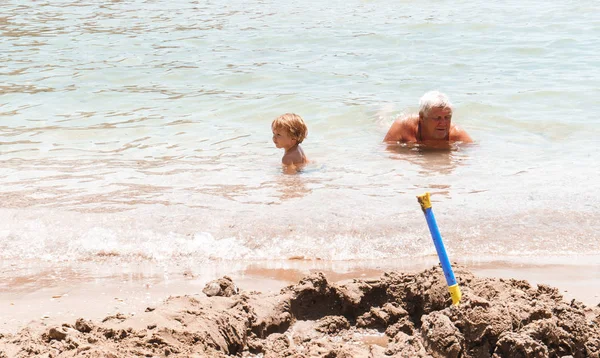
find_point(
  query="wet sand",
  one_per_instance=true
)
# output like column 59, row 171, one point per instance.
column 105, row 290
column 297, row 310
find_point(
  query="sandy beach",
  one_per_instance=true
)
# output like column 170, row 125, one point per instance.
column 145, row 212
column 345, row 312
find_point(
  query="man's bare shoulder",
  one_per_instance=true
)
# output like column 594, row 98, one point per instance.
column 458, row 134
column 403, row 129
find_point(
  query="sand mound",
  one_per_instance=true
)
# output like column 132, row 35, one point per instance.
column 398, row 315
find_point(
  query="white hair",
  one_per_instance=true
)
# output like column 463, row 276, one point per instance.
column 433, row 99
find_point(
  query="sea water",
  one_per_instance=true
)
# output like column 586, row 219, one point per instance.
column 139, row 131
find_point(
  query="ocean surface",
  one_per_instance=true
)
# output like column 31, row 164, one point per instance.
column 139, row 131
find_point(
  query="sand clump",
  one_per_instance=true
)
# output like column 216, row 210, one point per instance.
column 408, row 314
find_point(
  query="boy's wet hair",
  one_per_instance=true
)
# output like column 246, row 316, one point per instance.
column 293, row 124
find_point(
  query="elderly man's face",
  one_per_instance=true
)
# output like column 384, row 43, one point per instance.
column 436, row 123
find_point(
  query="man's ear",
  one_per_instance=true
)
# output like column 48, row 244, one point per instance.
column 421, row 116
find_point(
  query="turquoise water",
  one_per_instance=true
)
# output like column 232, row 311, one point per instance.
column 140, row 130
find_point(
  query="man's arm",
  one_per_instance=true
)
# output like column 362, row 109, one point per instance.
column 460, row 135
column 401, row 130
column 395, row 132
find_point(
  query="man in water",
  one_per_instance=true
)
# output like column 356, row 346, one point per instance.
column 432, row 126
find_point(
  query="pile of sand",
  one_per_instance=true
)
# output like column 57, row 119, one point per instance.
column 410, row 313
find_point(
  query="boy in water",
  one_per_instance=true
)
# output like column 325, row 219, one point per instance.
column 289, row 130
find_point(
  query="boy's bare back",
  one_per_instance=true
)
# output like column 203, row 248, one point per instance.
column 294, row 156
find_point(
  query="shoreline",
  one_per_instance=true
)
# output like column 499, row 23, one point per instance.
column 103, row 289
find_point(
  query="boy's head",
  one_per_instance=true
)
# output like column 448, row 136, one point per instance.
column 292, row 124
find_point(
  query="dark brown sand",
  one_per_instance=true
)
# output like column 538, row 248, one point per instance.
column 396, row 315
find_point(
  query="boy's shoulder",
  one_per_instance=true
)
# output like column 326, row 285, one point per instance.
column 295, row 156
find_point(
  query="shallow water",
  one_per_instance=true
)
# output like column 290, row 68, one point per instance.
column 140, row 130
